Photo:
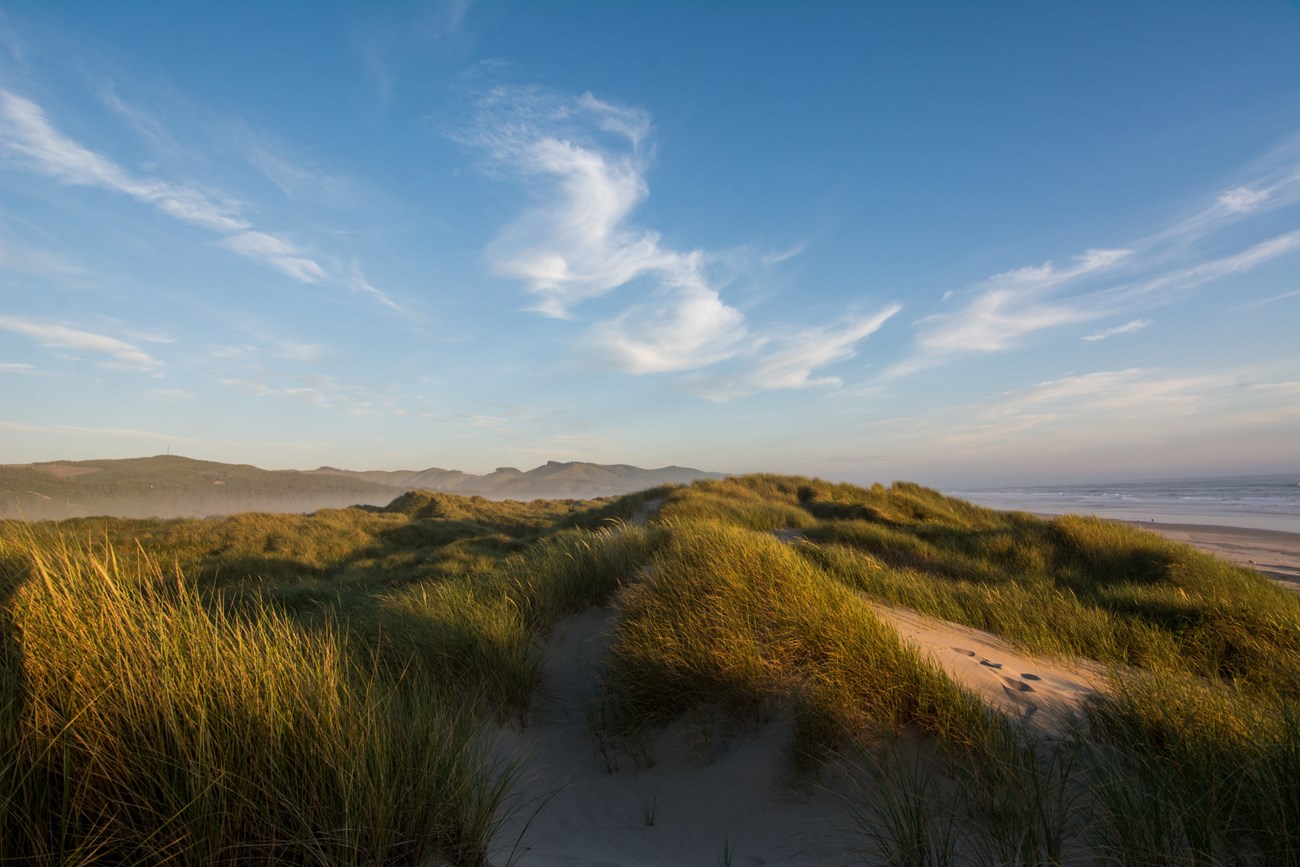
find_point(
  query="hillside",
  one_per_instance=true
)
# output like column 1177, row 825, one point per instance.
column 755, row 670
column 170, row 486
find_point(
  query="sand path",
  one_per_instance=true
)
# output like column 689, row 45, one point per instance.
column 1044, row 694
column 702, row 800
column 728, row 801
column 707, row 800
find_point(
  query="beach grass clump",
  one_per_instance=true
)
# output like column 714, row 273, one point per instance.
column 1197, row 769
column 1072, row 586
column 1229, row 623
column 729, row 617
column 478, row 634
column 143, row 724
column 739, row 502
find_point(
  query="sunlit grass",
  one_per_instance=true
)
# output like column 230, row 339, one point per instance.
column 315, row 689
column 143, row 725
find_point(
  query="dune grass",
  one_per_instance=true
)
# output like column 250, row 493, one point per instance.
column 734, row 618
column 313, row 689
column 144, row 726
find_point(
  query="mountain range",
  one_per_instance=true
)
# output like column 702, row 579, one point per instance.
column 169, row 486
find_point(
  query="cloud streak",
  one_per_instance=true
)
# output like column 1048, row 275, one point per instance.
column 122, row 355
column 1006, row 310
column 30, row 141
column 1126, row 328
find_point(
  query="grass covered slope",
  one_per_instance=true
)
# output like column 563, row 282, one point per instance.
column 317, row 689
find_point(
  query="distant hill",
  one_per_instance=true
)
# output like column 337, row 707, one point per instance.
column 553, row 481
column 168, row 486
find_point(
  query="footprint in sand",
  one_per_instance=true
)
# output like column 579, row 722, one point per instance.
column 964, row 651
column 1017, row 685
column 1031, row 677
column 990, row 663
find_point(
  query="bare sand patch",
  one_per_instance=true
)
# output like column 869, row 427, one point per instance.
column 1046, row 695
column 730, row 800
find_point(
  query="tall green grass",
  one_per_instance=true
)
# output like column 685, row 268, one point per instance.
column 734, row 618
column 143, row 725
column 479, row 634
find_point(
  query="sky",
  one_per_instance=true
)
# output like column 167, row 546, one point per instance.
column 958, row 243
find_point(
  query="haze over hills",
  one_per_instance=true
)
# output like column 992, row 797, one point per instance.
column 167, row 486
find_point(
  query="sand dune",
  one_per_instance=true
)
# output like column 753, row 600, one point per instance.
column 1046, row 695
column 705, row 801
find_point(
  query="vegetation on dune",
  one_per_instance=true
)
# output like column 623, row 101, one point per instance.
column 736, row 619
column 314, row 689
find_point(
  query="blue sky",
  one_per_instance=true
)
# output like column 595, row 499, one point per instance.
column 958, row 243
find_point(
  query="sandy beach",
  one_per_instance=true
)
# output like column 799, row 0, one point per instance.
column 1271, row 552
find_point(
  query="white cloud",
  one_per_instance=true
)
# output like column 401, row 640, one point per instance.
column 16, row 367
column 1242, row 199
column 583, row 160
column 992, row 322
column 1007, row 308
column 357, row 281
column 125, row 356
column 793, row 363
column 694, row 329
column 788, row 361
column 28, row 139
column 1126, row 328
column 783, row 255
column 576, row 245
column 276, row 252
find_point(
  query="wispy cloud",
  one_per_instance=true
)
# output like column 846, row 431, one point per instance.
column 1131, row 406
column 318, row 390
column 22, row 259
column 789, row 361
column 1272, row 299
column 1004, row 311
column 117, row 432
column 777, row 258
column 16, row 367
column 692, row 329
column 122, row 355
column 280, row 254
column 358, row 283
column 1006, row 307
column 583, row 160
column 1126, row 328
column 28, row 140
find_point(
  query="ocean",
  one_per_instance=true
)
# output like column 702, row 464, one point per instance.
column 1263, row 502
